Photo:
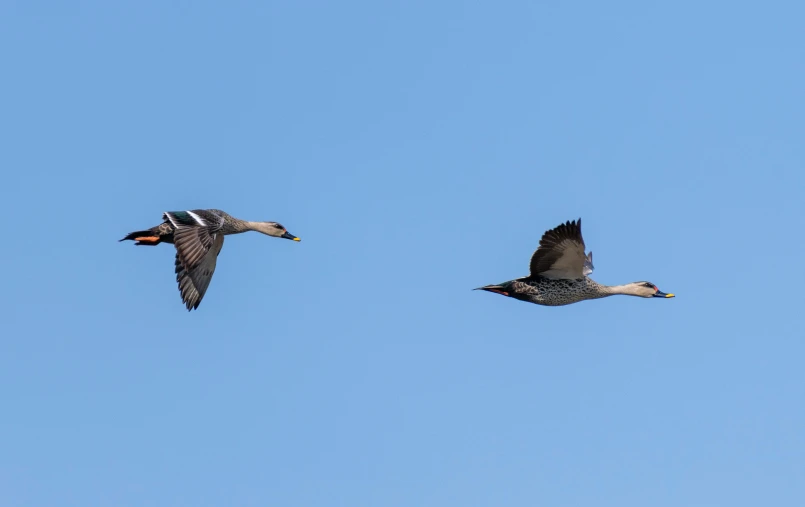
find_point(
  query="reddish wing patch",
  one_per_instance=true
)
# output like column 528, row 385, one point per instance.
column 147, row 238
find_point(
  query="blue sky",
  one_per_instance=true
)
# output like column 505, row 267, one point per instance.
column 419, row 149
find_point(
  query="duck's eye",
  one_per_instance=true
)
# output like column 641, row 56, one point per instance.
column 649, row 285
column 278, row 226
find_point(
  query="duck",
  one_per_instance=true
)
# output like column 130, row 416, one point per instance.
column 559, row 273
column 198, row 236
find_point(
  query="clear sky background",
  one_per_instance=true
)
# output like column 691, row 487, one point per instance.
column 419, row 149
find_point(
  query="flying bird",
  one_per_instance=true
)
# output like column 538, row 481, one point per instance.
column 199, row 236
column 559, row 270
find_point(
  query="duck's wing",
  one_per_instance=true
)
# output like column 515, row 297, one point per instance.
column 588, row 264
column 194, row 234
column 561, row 253
column 193, row 283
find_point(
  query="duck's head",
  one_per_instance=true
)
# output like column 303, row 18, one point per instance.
column 645, row 290
column 273, row 229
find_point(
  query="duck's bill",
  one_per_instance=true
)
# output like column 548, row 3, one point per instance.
column 497, row 289
column 661, row 294
column 290, row 236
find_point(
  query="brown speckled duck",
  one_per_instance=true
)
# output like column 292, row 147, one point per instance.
column 199, row 236
column 559, row 270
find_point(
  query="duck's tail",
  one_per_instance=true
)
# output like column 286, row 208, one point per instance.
column 148, row 237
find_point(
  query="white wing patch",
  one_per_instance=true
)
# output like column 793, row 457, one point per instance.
column 170, row 218
column 588, row 264
column 197, row 218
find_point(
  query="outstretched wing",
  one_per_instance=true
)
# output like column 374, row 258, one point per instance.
column 561, row 253
column 193, row 234
column 193, row 283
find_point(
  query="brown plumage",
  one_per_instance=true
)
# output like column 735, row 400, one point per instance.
column 559, row 272
column 560, row 253
column 199, row 237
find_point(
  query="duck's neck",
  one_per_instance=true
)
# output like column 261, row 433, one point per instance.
column 237, row 226
column 262, row 227
column 626, row 290
column 251, row 226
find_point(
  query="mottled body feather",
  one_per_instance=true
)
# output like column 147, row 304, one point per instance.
column 559, row 269
column 558, row 292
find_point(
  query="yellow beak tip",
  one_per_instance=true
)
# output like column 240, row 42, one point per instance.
column 669, row 295
column 297, row 239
